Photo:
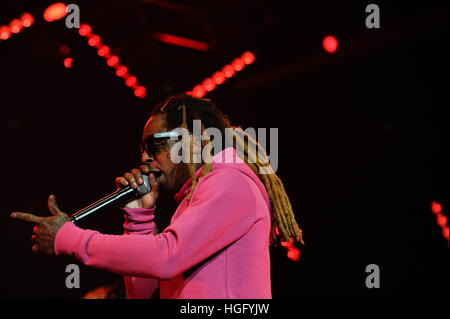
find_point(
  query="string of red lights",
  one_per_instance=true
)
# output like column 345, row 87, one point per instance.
column 58, row 10
column 219, row 77
column 16, row 26
column 112, row 60
column 441, row 220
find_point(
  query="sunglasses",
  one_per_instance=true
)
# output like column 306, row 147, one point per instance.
column 154, row 142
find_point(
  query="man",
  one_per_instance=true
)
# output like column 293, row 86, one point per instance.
column 217, row 244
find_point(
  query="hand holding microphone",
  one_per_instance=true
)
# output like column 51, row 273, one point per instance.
column 134, row 190
column 135, row 179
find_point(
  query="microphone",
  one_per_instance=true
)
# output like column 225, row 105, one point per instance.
column 121, row 196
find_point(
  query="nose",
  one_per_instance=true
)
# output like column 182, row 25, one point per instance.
column 145, row 158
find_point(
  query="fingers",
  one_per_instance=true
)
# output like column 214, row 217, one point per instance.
column 145, row 168
column 153, row 182
column 39, row 242
column 27, row 217
column 154, row 186
column 53, row 206
column 137, row 175
column 133, row 178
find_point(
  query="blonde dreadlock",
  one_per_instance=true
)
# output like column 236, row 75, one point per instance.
column 189, row 142
column 283, row 218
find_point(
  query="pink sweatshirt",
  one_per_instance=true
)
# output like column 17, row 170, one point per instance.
column 216, row 246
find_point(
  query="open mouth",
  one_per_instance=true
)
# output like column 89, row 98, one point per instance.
column 157, row 174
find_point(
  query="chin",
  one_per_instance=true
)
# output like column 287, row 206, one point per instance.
column 164, row 187
column 164, row 184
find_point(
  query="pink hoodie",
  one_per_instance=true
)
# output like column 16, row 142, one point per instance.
column 216, row 246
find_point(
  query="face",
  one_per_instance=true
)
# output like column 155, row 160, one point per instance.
column 173, row 176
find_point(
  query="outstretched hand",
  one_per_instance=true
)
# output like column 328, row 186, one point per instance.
column 46, row 227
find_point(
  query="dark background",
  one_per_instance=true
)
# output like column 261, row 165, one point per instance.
column 363, row 133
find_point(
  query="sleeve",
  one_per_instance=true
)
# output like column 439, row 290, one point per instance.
column 139, row 221
column 222, row 209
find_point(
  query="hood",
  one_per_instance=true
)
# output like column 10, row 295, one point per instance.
column 227, row 158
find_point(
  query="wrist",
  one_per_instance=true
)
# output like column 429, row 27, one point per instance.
column 133, row 211
column 139, row 220
column 133, row 204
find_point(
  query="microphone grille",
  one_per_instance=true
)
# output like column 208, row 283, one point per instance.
column 144, row 188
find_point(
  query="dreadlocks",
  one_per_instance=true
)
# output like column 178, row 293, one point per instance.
column 181, row 110
column 189, row 144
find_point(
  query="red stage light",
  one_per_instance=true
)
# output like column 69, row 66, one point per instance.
column 112, row 61
column 55, row 12
column 180, row 41
column 68, row 62
column 15, row 26
column 103, row 51
column 228, row 71
column 292, row 251
column 84, row 30
column 131, row 81
column 238, row 64
column 441, row 220
column 140, row 92
column 121, row 70
column 64, row 49
column 94, row 40
column 248, row 57
column 294, row 254
column 209, row 84
column 436, row 208
column 198, row 91
column 218, row 77
column 287, row 243
column 330, row 44
column 27, row 19
column 445, row 233
column 5, row 32
column 221, row 76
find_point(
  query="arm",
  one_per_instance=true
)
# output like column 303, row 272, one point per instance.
column 222, row 209
column 139, row 221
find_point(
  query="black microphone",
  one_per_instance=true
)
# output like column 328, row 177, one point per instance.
column 119, row 197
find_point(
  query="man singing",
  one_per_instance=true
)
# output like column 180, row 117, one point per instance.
column 217, row 244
